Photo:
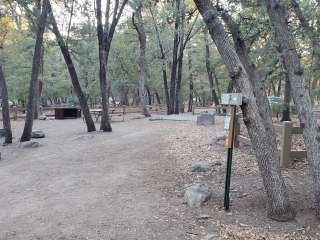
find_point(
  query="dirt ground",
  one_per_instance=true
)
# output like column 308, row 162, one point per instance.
column 129, row 184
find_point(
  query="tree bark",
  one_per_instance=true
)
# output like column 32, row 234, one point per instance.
column 105, row 36
column 312, row 34
column 287, row 99
column 139, row 26
column 72, row 72
column 190, row 102
column 210, row 70
column 174, row 57
column 5, row 108
column 286, row 45
column 163, row 63
column 177, row 100
column 279, row 207
column 34, row 82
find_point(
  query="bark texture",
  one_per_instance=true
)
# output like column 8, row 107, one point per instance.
column 34, row 82
column 139, row 26
column 210, row 70
column 279, row 207
column 286, row 45
column 5, row 108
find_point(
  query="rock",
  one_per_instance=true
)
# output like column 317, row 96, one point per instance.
column 219, row 137
column 203, row 217
column 197, row 194
column 200, row 166
column 37, row 134
column 43, row 117
column 29, row 144
column 205, row 119
column 210, row 236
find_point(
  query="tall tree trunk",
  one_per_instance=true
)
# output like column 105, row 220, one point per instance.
column 174, row 57
column 72, row 72
column 105, row 36
column 210, row 70
column 163, row 64
column 253, row 73
column 5, row 108
column 287, row 99
column 34, row 82
column 190, row 102
column 158, row 98
column 313, row 35
column 279, row 19
column 139, row 26
column 279, row 207
column 105, row 124
column 177, row 100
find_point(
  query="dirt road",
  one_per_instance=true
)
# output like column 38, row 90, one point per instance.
column 89, row 186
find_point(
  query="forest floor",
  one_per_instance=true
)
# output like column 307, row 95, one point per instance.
column 129, row 184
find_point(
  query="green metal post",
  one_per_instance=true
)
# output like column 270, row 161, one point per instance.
column 229, row 165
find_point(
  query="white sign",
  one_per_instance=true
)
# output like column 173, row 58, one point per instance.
column 231, row 99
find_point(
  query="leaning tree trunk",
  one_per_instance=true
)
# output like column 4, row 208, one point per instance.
column 139, row 26
column 177, row 97
column 41, row 23
column 5, row 108
column 210, row 70
column 267, row 155
column 286, row 45
column 73, row 73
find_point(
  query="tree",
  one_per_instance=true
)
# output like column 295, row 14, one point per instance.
column 278, row 15
column 5, row 108
column 139, row 26
column 279, row 207
column 211, row 72
column 32, row 98
column 105, row 35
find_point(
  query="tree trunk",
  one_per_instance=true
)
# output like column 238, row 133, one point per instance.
column 34, row 82
column 139, row 26
column 163, row 64
column 286, row 45
column 5, row 108
column 158, row 98
column 210, row 70
column 279, row 207
column 104, row 48
column 312, row 34
column 287, row 99
column 174, row 57
column 190, row 102
column 177, row 100
column 73, row 73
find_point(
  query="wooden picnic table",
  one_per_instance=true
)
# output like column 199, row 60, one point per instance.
column 97, row 112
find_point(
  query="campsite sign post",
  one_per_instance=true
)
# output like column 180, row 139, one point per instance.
column 232, row 100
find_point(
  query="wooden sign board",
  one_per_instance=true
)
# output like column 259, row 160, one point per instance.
column 231, row 99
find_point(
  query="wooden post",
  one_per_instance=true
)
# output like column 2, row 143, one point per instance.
column 285, row 155
column 15, row 113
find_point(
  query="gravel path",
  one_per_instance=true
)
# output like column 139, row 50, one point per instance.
column 89, row 186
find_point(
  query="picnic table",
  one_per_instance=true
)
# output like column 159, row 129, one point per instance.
column 97, row 112
column 67, row 112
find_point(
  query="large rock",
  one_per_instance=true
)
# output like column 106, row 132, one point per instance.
column 29, row 144
column 200, row 166
column 197, row 194
column 37, row 134
column 218, row 137
column 205, row 119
